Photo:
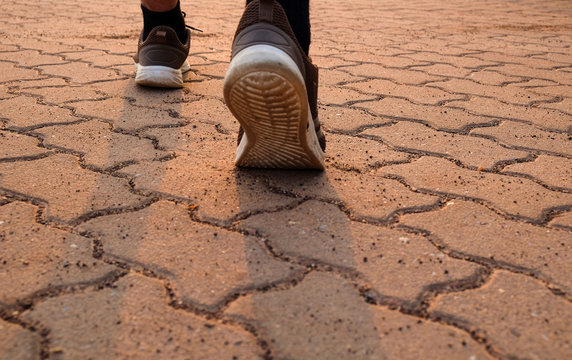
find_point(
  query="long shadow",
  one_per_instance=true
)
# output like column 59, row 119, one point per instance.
column 132, row 120
column 311, row 317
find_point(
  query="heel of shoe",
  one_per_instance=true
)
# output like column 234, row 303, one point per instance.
column 265, row 91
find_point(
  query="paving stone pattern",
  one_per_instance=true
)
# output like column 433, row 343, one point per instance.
column 441, row 228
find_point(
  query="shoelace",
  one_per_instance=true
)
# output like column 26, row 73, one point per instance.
column 189, row 26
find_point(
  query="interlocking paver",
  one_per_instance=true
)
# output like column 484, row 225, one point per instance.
column 203, row 111
column 400, row 76
column 78, row 72
column 212, row 69
column 31, row 58
column 339, row 96
column 481, row 233
column 429, row 95
column 61, row 93
column 358, row 153
column 466, row 62
column 123, row 115
column 526, row 136
column 337, row 323
column 68, row 191
column 101, row 59
column 439, row 117
column 332, row 77
column 471, row 151
column 532, row 84
column 560, row 57
column 500, row 56
column 9, row 72
column 208, row 87
column 560, row 77
column 563, row 105
column 513, row 195
column 5, row 94
column 445, row 70
column 205, row 264
column 14, row 145
column 488, row 77
column 564, row 220
column 386, row 258
column 8, row 47
column 17, row 343
column 125, row 88
column 347, row 119
column 551, row 170
column 48, row 46
column 442, row 218
column 372, row 197
column 196, row 139
column 505, row 95
column 553, row 90
column 535, row 324
column 544, row 118
column 40, row 83
column 220, row 192
column 383, row 58
column 81, row 55
column 38, row 258
column 132, row 319
column 100, row 147
column 24, row 112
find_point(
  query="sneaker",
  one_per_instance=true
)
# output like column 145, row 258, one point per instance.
column 161, row 58
column 271, row 88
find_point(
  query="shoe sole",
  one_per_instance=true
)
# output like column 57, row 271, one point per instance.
column 266, row 92
column 160, row 76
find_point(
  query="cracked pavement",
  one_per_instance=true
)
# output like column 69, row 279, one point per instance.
column 441, row 228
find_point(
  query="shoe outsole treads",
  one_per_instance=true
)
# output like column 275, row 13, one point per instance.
column 269, row 100
column 272, row 126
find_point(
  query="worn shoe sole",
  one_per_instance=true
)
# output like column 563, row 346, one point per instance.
column 160, row 76
column 265, row 91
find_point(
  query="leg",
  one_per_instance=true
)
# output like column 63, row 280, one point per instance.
column 298, row 13
column 163, row 12
column 164, row 45
column 159, row 5
column 271, row 88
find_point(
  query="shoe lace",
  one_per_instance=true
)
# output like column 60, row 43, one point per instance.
column 189, row 26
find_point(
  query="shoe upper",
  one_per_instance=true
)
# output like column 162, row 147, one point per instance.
column 162, row 47
column 266, row 22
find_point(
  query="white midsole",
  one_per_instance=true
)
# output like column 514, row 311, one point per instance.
column 161, row 76
column 183, row 69
column 262, row 56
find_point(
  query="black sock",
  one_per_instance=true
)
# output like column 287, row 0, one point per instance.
column 172, row 18
column 298, row 12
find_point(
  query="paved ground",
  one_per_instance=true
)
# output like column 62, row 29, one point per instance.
column 442, row 228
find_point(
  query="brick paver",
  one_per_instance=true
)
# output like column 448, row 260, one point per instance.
column 441, row 228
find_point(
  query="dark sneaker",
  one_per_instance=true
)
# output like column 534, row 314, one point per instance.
column 161, row 58
column 271, row 88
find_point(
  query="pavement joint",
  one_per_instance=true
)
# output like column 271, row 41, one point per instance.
column 34, row 327
column 488, row 263
column 481, row 107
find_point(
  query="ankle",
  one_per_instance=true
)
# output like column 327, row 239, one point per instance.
column 159, row 5
column 172, row 18
column 298, row 13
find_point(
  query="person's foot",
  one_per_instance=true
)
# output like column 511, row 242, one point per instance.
column 271, row 88
column 161, row 58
